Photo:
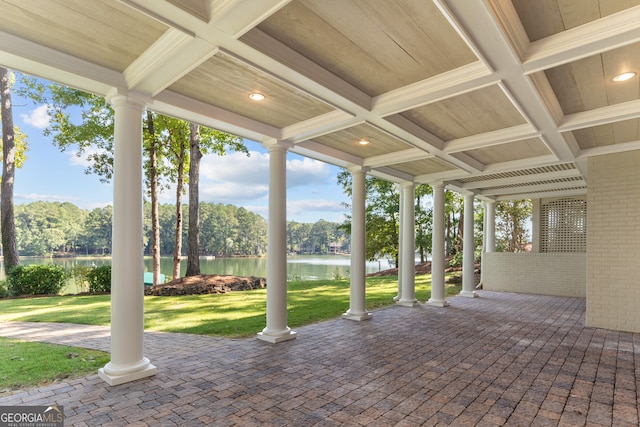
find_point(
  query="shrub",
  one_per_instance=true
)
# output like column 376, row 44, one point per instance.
column 4, row 292
column 79, row 274
column 36, row 279
column 99, row 279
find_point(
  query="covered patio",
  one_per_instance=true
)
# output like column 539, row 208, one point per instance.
column 494, row 99
column 501, row 359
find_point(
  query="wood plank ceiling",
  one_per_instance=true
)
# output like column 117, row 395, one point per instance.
column 503, row 98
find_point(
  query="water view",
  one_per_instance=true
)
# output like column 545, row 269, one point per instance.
column 299, row 267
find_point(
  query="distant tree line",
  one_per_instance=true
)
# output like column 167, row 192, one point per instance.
column 54, row 228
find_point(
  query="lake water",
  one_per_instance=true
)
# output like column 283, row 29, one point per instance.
column 299, row 267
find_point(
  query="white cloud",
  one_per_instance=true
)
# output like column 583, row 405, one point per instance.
column 81, row 159
column 38, row 118
column 315, row 205
column 250, row 174
column 232, row 192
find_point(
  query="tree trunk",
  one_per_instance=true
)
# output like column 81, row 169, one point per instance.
column 177, row 249
column 193, row 233
column 8, row 227
column 153, row 189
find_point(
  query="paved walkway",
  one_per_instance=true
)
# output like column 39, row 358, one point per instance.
column 501, row 359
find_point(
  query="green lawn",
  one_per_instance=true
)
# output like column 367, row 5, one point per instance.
column 236, row 314
column 28, row 364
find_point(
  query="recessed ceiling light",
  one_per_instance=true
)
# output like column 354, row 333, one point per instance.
column 256, row 96
column 623, row 77
column 363, row 141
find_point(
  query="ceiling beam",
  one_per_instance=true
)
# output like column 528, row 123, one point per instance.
column 601, row 35
column 37, row 60
column 489, row 139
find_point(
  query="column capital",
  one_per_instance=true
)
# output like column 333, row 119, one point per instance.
column 437, row 184
column 358, row 169
column 407, row 184
column 117, row 97
column 276, row 145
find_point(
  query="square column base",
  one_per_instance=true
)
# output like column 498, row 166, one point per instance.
column 149, row 371
column 275, row 339
column 468, row 294
column 407, row 303
column 436, row 303
column 357, row 317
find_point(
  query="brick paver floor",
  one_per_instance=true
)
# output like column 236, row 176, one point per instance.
column 501, row 359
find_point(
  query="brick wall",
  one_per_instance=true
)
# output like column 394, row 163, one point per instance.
column 613, row 242
column 560, row 274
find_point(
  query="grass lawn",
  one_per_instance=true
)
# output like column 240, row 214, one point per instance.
column 27, row 364
column 235, row 314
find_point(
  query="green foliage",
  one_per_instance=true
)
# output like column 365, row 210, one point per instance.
column 91, row 137
column 456, row 260
column 45, row 227
column 36, row 279
column 511, row 221
column 99, row 279
column 4, row 291
column 79, row 273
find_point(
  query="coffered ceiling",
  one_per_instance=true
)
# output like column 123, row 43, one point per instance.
column 503, row 98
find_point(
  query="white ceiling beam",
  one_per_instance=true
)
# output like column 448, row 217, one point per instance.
column 480, row 22
column 543, row 194
column 391, row 175
column 245, row 15
column 326, row 123
column 536, row 188
column 180, row 106
column 402, row 156
column 171, row 57
column 327, row 154
column 31, row 58
column 489, row 139
column 452, row 83
column 444, row 176
column 601, row 116
column 531, row 162
column 604, row 34
column 313, row 78
column 609, row 149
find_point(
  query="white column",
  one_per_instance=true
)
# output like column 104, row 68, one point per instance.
column 277, row 330
column 468, row 249
column 407, row 250
column 356, row 309
column 490, row 214
column 437, row 257
column 399, row 265
column 127, row 288
column 536, row 222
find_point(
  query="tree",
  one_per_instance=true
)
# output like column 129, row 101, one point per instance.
column 98, row 230
column 423, row 220
column 381, row 215
column 13, row 148
column 164, row 143
column 511, row 219
column 153, row 148
column 193, row 239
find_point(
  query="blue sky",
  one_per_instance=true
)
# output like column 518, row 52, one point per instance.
column 238, row 179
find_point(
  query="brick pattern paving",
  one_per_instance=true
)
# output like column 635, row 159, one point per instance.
column 499, row 360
